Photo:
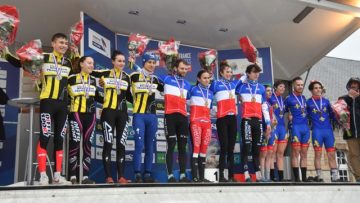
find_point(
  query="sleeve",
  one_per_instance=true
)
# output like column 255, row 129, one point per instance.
column 3, row 97
column 129, row 96
column 265, row 108
column 162, row 78
column 331, row 112
column 98, row 73
column 308, row 109
column 213, row 86
column 160, row 86
column 70, row 83
column 98, row 97
column 13, row 60
column 286, row 103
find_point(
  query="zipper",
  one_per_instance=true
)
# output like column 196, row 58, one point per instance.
column 354, row 101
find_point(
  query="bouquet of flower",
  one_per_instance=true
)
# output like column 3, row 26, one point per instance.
column 31, row 57
column 207, row 60
column 9, row 21
column 342, row 114
column 76, row 33
column 248, row 49
column 136, row 45
column 169, row 53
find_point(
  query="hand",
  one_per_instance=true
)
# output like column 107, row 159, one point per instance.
column 290, row 117
column 131, row 59
column 353, row 93
column 102, row 82
column 74, row 49
column 3, row 52
column 268, row 131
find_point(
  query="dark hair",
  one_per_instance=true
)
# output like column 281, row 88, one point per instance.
column 223, row 64
column 278, row 83
column 115, row 54
column 82, row 59
column 267, row 85
column 58, row 36
column 296, row 79
column 199, row 74
column 313, row 83
column 178, row 61
column 253, row 68
column 351, row 81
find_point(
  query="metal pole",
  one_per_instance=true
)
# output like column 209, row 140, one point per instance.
column 29, row 173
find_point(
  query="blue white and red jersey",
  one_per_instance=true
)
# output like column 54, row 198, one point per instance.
column 224, row 94
column 200, row 103
column 253, row 100
column 296, row 104
column 320, row 113
column 176, row 92
column 278, row 104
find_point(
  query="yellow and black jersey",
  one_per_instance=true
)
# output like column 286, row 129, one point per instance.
column 83, row 93
column 116, row 89
column 53, row 86
column 143, row 90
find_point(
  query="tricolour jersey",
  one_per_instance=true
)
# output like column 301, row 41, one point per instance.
column 320, row 112
column 143, row 90
column 253, row 101
column 296, row 105
column 55, row 72
column 224, row 94
column 116, row 88
column 176, row 92
column 83, row 93
column 278, row 104
column 200, row 103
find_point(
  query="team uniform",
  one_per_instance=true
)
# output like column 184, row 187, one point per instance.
column 268, row 144
column 320, row 114
column 114, row 116
column 176, row 92
column 279, row 108
column 83, row 93
column 254, row 107
column 300, row 133
column 226, row 123
column 143, row 87
column 200, row 126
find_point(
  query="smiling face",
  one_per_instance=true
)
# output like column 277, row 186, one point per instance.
column 226, row 73
column 87, row 66
column 60, row 45
column 298, row 86
column 119, row 62
column 280, row 89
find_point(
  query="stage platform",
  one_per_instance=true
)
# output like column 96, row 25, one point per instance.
column 190, row 193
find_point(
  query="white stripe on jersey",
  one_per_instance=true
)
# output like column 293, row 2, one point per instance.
column 246, row 97
column 173, row 90
column 199, row 101
column 224, row 94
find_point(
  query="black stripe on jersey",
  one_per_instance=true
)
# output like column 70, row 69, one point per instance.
column 52, row 86
column 141, row 101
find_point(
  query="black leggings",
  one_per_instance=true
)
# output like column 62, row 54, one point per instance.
column 81, row 124
column 251, row 134
column 110, row 120
column 226, row 128
column 53, row 112
column 176, row 130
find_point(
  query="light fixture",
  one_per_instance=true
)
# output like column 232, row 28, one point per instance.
column 181, row 21
column 134, row 12
column 223, row 29
column 306, row 11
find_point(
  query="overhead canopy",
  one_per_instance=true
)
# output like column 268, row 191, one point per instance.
column 295, row 46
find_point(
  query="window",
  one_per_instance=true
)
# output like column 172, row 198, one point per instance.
column 342, row 166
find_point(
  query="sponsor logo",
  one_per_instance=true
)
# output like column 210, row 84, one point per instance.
column 99, row 43
column 46, row 124
column 130, row 145
column 160, row 135
column 160, row 158
column 161, row 146
column 99, row 140
column 98, row 154
column 237, row 148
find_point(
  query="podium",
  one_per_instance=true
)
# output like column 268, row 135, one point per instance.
column 27, row 103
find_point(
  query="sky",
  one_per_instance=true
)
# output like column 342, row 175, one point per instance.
column 349, row 48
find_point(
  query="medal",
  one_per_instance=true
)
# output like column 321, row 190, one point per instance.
column 280, row 104
column 148, row 85
column 319, row 109
column 180, row 87
column 86, row 87
column 118, row 83
column 302, row 105
column 203, row 96
column 253, row 95
column 253, row 99
column 150, row 92
column 231, row 95
column 57, row 69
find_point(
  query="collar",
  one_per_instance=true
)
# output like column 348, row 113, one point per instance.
column 252, row 82
column 57, row 55
column 316, row 97
column 297, row 94
column 117, row 71
column 83, row 74
column 277, row 94
column 178, row 77
column 224, row 80
column 146, row 73
column 202, row 86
